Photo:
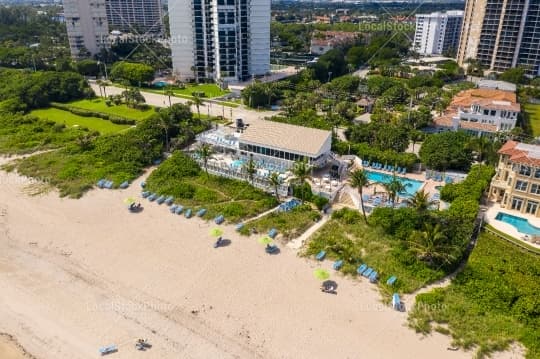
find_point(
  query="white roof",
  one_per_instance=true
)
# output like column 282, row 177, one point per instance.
column 291, row 138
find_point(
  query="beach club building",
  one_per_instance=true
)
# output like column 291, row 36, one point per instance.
column 273, row 145
column 516, row 184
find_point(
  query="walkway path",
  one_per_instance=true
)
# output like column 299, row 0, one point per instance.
column 299, row 242
column 209, row 107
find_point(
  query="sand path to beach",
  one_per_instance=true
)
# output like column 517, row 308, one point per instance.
column 79, row 274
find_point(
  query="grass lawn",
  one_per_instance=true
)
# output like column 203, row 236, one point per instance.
column 210, row 90
column 181, row 177
column 533, row 112
column 99, row 105
column 490, row 304
column 70, row 120
column 288, row 224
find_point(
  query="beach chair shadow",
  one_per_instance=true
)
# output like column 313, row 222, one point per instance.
column 225, row 243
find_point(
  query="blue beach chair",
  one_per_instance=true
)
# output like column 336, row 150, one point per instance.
column 396, row 302
column 152, row 197
column 143, row 184
column 187, row 213
column 320, row 256
column 272, row 233
column 219, row 219
column 172, row 209
column 108, row 350
column 145, row 194
column 179, row 209
column 160, row 199
column 373, row 277
column 338, row 264
column 367, row 272
column 239, row 226
column 101, row 183
column 391, row 280
column 169, row 200
column 361, row 269
column 124, row 185
column 201, row 212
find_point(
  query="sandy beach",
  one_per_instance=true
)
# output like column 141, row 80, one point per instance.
column 76, row 275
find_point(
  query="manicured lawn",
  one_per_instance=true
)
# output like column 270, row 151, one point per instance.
column 533, row 111
column 70, row 120
column 99, row 105
column 490, row 304
column 210, row 90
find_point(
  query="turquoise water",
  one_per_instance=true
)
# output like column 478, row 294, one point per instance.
column 160, row 84
column 521, row 224
column 237, row 163
column 411, row 186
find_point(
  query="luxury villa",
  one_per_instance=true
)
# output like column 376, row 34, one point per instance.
column 516, row 184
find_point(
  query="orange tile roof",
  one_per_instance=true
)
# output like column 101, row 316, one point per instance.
column 488, row 98
column 521, row 155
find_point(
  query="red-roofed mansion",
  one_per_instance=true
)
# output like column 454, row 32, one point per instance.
column 516, row 185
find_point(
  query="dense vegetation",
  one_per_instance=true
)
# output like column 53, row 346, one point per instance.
column 180, row 176
column 72, row 120
column 446, row 150
column 490, row 304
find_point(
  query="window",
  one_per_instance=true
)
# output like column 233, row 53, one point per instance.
column 517, row 203
column 525, row 170
column 531, row 208
column 537, row 173
column 535, row 188
column 521, row 185
column 493, row 112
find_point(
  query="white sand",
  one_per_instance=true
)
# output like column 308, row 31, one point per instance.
column 79, row 274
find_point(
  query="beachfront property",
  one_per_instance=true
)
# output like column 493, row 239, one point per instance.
column 272, row 146
column 480, row 112
column 222, row 40
column 324, row 41
column 516, row 184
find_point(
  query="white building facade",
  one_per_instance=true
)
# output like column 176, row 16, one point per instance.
column 437, row 33
column 87, row 26
column 222, row 40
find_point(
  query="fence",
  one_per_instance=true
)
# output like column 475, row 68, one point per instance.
column 498, row 235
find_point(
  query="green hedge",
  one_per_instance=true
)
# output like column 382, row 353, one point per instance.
column 88, row 113
column 369, row 153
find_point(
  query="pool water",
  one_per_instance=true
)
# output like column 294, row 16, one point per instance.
column 411, row 186
column 160, row 84
column 237, row 163
column 521, row 224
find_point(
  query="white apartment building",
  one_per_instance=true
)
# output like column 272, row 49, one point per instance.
column 87, row 26
column 89, row 22
column 222, row 40
column 437, row 33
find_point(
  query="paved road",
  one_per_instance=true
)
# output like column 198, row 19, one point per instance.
column 208, row 108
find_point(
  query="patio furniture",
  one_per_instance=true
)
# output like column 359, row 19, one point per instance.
column 145, row 194
column 361, row 269
column 373, row 277
column 271, row 248
column 179, row 209
column 143, row 184
column 219, row 219
column 201, row 212
column 320, row 256
column 391, row 280
column 272, row 233
column 367, row 272
column 239, row 226
column 169, row 200
column 187, row 213
column 160, row 199
column 124, row 185
column 338, row 264
column 172, row 209
column 100, row 183
column 108, row 349
column 152, row 197
column 396, row 302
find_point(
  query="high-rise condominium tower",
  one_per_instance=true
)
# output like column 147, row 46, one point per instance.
column 501, row 34
column 223, row 40
column 437, row 33
column 89, row 21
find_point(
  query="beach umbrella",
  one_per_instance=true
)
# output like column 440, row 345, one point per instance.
column 321, row 274
column 129, row 200
column 216, row 232
column 265, row 240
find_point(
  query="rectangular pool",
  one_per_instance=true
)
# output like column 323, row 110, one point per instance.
column 411, row 186
column 521, row 224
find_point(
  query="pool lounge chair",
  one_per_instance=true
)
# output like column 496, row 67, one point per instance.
column 367, row 272
column 109, row 184
column 272, row 233
column 396, row 302
column 361, row 269
column 201, row 212
column 187, row 213
column 179, row 209
column 100, row 183
column 404, row 171
column 337, row 264
column 172, row 209
column 145, row 194
column 124, row 185
column 160, row 199
column 152, row 197
column 320, row 256
column 108, row 349
column 239, row 226
column 373, row 277
column 169, row 200
column 219, row 219
column 391, row 280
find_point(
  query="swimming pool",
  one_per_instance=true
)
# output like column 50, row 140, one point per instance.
column 237, row 163
column 521, row 224
column 160, row 84
column 411, row 186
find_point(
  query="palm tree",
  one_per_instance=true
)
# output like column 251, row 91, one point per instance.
column 276, row 182
column 168, row 92
column 166, row 122
column 420, row 201
column 100, row 84
column 105, row 83
column 301, row 171
column 198, row 101
column 482, row 146
column 205, row 153
column 359, row 180
column 431, row 245
column 251, row 168
column 394, row 187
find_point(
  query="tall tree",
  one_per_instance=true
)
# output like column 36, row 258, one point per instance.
column 198, row 102
column 276, row 182
column 420, row 201
column 205, row 153
column 301, row 171
column 251, row 168
column 359, row 180
column 394, row 188
column 431, row 245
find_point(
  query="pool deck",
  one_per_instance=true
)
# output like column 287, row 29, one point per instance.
column 495, row 208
